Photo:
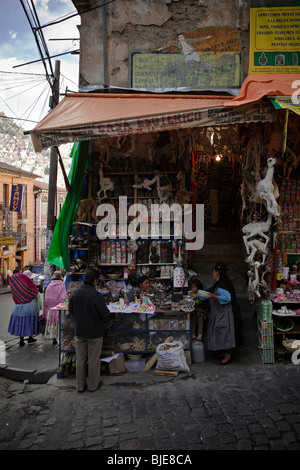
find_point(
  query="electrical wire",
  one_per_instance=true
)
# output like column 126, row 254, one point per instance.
column 21, row 92
column 71, row 15
column 29, row 110
column 19, row 119
column 23, row 73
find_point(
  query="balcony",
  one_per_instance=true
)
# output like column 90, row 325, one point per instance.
column 22, row 216
column 22, row 243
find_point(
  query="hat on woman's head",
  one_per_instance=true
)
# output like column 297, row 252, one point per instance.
column 220, row 266
column 28, row 273
column 57, row 275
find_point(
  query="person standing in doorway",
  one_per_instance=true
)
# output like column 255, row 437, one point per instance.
column 224, row 332
column 224, row 329
column 87, row 307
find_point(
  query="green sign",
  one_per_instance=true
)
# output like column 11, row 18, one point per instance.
column 175, row 70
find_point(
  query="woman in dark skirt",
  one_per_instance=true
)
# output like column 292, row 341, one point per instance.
column 224, row 331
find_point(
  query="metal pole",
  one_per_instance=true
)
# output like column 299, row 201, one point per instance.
column 104, row 39
column 52, row 188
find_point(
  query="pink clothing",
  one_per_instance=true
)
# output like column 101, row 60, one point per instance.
column 55, row 294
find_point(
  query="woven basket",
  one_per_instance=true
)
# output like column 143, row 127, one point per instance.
column 287, row 344
column 191, row 308
column 133, row 356
column 285, row 330
column 114, row 276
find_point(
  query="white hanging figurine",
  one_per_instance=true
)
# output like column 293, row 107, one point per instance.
column 257, row 247
column 254, row 229
column 106, row 184
column 267, row 190
column 146, row 183
column 253, row 284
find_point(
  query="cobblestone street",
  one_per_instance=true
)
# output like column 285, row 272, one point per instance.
column 210, row 408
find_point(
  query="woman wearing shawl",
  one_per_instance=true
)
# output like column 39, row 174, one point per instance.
column 54, row 295
column 224, row 328
column 25, row 315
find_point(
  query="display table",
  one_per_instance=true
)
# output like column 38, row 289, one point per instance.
column 130, row 331
column 141, row 332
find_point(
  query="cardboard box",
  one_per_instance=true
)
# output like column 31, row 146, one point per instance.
column 117, row 366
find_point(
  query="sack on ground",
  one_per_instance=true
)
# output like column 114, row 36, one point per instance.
column 170, row 356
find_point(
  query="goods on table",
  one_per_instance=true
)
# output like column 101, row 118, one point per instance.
column 188, row 306
column 138, row 344
column 285, row 312
column 144, row 308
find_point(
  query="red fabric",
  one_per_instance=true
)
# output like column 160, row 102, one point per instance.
column 23, row 290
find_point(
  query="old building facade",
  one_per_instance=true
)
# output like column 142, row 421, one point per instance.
column 23, row 232
column 16, row 226
column 110, row 35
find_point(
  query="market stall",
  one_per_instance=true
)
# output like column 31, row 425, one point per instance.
column 145, row 150
column 135, row 329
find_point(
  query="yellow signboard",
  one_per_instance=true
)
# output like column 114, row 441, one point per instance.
column 7, row 240
column 274, row 36
column 286, row 103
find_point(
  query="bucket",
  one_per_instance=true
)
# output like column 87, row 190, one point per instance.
column 198, row 352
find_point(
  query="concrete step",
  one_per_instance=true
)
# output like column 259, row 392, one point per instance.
column 226, row 246
column 219, row 249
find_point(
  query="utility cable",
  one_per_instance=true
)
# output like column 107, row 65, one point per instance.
column 71, row 15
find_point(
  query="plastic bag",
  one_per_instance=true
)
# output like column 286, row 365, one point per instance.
column 170, row 356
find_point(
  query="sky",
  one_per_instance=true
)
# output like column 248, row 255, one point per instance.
column 24, row 90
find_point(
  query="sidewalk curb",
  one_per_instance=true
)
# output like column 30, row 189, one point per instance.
column 4, row 290
column 20, row 375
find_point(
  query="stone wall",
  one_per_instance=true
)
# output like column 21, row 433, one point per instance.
column 144, row 25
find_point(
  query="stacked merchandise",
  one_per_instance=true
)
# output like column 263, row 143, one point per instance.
column 289, row 240
column 265, row 331
column 115, row 252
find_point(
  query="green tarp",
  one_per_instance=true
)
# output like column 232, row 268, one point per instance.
column 58, row 250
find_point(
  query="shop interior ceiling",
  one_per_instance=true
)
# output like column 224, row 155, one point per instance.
column 166, row 151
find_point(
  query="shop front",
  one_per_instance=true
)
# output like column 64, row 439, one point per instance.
column 137, row 152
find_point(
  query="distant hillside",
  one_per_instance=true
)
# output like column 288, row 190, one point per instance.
column 17, row 149
column 8, row 126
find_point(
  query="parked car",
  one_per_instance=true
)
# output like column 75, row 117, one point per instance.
column 38, row 272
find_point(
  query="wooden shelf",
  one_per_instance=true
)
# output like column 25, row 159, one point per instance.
column 156, row 264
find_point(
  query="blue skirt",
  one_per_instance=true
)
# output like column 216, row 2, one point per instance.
column 24, row 319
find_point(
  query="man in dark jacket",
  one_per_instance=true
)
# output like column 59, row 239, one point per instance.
column 89, row 310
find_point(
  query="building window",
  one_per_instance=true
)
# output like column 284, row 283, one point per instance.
column 44, row 206
column 23, row 214
column 43, row 239
column 5, row 195
column 60, row 203
column 7, row 215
